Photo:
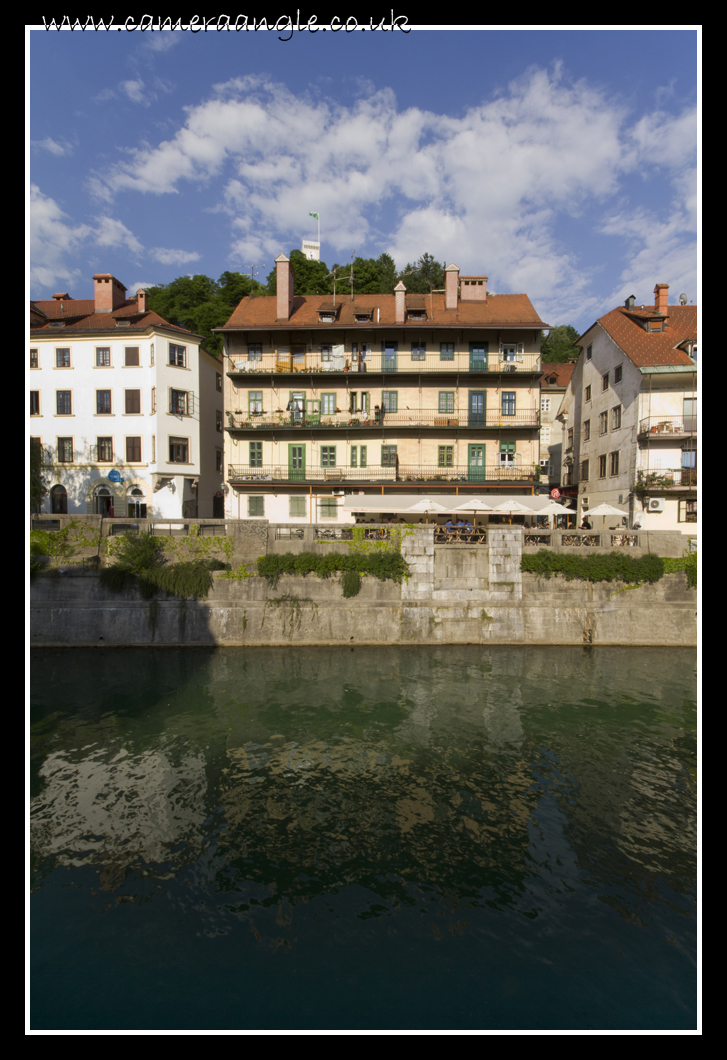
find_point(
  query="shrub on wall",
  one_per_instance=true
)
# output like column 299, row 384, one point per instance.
column 140, row 561
column 385, row 565
column 596, row 567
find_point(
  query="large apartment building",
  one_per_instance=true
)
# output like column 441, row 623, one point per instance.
column 631, row 414
column 126, row 408
column 378, row 393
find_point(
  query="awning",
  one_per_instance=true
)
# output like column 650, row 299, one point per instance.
column 401, row 503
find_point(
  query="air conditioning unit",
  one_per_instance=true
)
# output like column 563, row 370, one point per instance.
column 655, row 504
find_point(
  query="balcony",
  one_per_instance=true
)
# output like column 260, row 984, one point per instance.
column 665, row 479
column 671, row 426
column 490, row 418
column 315, row 361
column 401, row 475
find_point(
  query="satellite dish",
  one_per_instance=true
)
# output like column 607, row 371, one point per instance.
column 682, row 299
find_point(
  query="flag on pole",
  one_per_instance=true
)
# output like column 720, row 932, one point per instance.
column 314, row 215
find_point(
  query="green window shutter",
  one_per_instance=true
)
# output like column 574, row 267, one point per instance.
column 363, row 456
column 256, row 506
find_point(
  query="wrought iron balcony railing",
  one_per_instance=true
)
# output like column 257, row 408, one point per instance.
column 404, row 473
column 389, row 362
column 666, row 478
column 668, row 425
column 487, row 418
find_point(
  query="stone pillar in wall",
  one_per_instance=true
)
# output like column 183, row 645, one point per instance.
column 249, row 539
column 505, row 546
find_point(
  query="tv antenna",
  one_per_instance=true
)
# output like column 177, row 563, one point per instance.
column 253, row 268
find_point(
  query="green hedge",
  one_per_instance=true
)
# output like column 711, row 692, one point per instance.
column 140, row 562
column 383, row 565
column 596, row 567
column 687, row 563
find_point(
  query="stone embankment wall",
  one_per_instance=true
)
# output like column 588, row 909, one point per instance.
column 457, row 594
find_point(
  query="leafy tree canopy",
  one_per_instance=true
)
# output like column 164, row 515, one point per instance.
column 38, row 488
column 200, row 303
column 559, row 346
column 425, row 275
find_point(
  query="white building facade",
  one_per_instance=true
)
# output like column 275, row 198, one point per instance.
column 127, row 409
column 631, row 415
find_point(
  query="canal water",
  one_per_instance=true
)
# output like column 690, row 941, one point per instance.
column 380, row 838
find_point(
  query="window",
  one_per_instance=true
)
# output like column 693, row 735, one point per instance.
column 178, row 450
column 177, row 355
column 602, row 466
column 326, row 354
column 131, row 356
column 388, row 456
column 509, row 352
column 570, row 437
column 508, row 402
column 218, row 419
column 603, row 422
column 615, row 418
column 105, row 450
column 59, row 500
column 614, row 464
column 63, row 358
column 328, row 508
column 604, row 382
column 153, row 399
column 507, row 454
column 63, row 402
column 687, row 511
column 132, row 402
column 617, row 374
column 133, row 450
column 254, row 353
column 103, row 402
column 445, row 456
column 103, row 356
column 586, row 430
column 328, row 456
column 585, row 468
column 446, row 351
column 296, row 507
column 589, row 352
column 254, row 401
column 689, row 459
column 588, row 393
column 328, row 404
column 545, row 404
column 153, row 448
column 218, row 460
column 255, row 506
column 354, row 456
column 418, row 351
column 545, row 434
column 446, row 400
column 152, row 354
column 65, row 450
column 35, row 402
column 390, row 400
column 218, row 382
column 33, row 358
column 256, row 454
column 364, row 450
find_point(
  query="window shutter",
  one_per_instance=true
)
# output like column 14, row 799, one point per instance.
column 190, row 404
column 520, row 350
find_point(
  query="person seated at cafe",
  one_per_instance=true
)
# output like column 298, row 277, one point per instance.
column 585, row 525
column 460, row 524
column 449, row 525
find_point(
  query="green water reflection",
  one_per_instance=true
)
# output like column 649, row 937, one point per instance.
column 394, row 838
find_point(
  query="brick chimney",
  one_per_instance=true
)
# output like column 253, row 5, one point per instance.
column 108, row 292
column 285, row 279
column 451, row 286
column 62, row 297
column 473, row 288
column 661, row 298
column 141, row 305
column 400, row 295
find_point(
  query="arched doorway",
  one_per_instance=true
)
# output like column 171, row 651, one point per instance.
column 136, row 503
column 59, row 501
column 103, row 501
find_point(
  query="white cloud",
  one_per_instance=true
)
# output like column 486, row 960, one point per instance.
column 661, row 251
column 140, row 287
column 172, row 257
column 112, row 233
column 54, row 147
column 135, row 91
column 52, row 241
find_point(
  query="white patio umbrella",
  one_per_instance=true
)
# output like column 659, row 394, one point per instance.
column 553, row 508
column 604, row 510
column 513, row 508
column 427, row 506
column 475, row 505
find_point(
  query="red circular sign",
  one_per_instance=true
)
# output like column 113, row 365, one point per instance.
column 555, row 493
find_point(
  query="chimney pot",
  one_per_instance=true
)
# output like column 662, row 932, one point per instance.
column 285, row 286
column 661, row 298
column 141, row 304
column 400, row 294
column 109, row 293
column 451, row 286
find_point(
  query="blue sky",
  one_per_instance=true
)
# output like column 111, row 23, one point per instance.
column 562, row 163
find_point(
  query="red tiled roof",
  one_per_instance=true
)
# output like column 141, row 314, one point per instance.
column 500, row 310
column 649, row 348
column 80, row 314
column 561, row 372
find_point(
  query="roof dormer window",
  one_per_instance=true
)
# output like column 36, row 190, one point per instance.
column 327, row 312
column 363, row 316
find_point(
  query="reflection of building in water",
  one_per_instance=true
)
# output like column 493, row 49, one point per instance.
column 112, row 808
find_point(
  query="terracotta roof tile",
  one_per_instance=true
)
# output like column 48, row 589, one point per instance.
column 556, row 374
column 649, row 348
column 79, row 314
column 500, row 310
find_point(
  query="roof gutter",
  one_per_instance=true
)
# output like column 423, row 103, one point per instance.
column 665, row 369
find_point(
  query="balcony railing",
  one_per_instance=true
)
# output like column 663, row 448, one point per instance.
column 401, row 474
column 401, row 361
column 402, row 418
column 661, row 425
column 666, row 478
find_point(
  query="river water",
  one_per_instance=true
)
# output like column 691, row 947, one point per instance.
column 454, row 838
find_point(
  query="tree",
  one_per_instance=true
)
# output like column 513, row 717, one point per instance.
column 426, row 275
column 560, row 346
column 200, row 303
column 38, row 488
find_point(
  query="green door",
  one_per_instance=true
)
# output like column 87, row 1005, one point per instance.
column 389, row 355
column 478, row 356
column 476, row 409
column 296, row 463
column 476, row 463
